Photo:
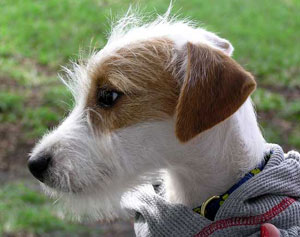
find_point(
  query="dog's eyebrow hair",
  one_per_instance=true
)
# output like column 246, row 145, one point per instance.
column 88, row 110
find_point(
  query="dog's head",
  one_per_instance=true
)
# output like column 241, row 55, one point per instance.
column 139, row 102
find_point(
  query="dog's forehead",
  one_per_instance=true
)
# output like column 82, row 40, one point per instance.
column 125, row 34
column 136, row 65
column 179, row 32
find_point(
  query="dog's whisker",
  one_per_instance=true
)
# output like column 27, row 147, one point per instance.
column 57, row 200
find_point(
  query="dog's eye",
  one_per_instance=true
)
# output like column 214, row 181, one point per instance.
column 107, row 98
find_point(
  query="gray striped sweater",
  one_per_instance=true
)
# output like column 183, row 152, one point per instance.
column 272, row 196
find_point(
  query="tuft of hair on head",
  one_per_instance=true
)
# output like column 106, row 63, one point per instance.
column 135, row 18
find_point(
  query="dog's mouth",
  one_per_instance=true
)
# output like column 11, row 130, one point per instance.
column 68, row 181
column 61, row 183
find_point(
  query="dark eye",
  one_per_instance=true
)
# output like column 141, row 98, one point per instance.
column 107, row 98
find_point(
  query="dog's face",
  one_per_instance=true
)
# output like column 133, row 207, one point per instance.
column 139, row 102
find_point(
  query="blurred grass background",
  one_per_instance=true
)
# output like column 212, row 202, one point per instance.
column 36, row 37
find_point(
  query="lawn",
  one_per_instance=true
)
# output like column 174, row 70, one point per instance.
column 25, row 211
column 37, row 37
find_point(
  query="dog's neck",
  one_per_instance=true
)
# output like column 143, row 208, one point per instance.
column 216, row 159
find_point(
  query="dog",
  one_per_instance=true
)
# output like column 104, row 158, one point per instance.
column 161, row 99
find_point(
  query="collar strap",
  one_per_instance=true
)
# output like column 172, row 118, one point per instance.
column 210, row 207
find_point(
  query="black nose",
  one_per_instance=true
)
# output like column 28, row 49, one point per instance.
column 39, row 165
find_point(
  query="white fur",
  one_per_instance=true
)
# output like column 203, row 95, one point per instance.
column 91, row 171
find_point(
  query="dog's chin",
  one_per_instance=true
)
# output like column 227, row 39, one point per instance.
column 82, row 205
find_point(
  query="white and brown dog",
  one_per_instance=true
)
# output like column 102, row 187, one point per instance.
column 159, row 96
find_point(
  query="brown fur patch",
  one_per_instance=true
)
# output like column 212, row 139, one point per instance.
column 138, row 70
column 214, row 87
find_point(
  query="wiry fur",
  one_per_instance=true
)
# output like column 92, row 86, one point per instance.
column 92, row 169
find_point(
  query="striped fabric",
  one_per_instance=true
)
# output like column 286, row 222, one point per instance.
column 272, row 196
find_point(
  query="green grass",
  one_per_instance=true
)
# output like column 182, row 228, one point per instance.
column 38, row 120
column 264, row 33
column 11, row 105
column 268, row 101
column 36, row 37
column 25, row 210
column 294, row 138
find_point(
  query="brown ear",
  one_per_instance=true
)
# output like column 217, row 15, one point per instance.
column 214, row 87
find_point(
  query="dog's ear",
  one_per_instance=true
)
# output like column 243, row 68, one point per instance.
column 219, row 42
column 213, row 88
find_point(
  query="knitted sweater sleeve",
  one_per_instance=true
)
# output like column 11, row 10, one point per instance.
column 156, row 217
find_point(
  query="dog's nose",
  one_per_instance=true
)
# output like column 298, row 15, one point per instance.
column 38, row 166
